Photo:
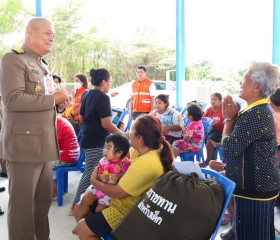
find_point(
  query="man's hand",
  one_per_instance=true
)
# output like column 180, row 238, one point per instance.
column 61, row 97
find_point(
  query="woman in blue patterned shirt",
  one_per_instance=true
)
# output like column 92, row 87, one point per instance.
column 249, row 142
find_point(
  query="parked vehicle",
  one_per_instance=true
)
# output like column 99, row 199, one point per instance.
column 199, row 91
column 120, row 96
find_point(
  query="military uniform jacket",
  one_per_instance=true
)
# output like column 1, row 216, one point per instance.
column 29, row 116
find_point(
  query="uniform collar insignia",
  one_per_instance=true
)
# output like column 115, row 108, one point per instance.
column 43, row 60
column 18, row 51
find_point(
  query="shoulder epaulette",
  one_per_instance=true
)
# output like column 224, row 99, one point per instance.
column 18, row 51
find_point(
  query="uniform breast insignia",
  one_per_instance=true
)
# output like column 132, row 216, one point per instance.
column 18, row 51
column 38, row 87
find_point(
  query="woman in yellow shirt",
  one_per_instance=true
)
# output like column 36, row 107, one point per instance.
column 150, row 157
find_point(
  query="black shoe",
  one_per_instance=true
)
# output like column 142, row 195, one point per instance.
column 1, row 211
column 229, row 235
column 3, row 174
column 2, row 189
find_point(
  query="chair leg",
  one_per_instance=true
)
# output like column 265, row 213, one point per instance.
column 203, row 160
column 200, row 157
column 65, row 182
column 60, row 187
column 187, row 159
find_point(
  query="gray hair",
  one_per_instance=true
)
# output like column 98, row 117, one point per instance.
column 266, row 74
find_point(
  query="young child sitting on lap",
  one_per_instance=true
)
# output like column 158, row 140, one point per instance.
column 110, row 169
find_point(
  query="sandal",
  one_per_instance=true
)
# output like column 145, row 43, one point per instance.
column 229, row 235
column 71, row 212
column 1, row 211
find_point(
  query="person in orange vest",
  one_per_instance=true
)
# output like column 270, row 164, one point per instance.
column 143, row 94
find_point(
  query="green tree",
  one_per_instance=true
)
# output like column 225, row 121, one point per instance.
column 12, row 15
column 201, row 70
column 62, row 59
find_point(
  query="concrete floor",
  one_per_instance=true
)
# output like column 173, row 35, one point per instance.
column 60, row 223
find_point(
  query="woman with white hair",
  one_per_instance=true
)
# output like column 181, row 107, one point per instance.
column 249, row 143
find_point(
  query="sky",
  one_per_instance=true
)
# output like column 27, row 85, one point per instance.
column 229, row 33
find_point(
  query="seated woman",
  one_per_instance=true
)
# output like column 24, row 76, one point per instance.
column 151, row 156
column 69, row 148
column 171, row 120
column 194, row 133
column 214, row 112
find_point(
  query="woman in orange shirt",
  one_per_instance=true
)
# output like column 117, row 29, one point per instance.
column 81, row 87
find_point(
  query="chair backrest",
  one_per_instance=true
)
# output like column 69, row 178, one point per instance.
column 128, row 126
column 118, row 115
column 124, row 118
column 123, row 114
column 228, row 186
column 208, row 125
column 183, row 111
column 80, row 163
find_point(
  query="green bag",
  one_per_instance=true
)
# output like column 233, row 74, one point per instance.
column 176, row 207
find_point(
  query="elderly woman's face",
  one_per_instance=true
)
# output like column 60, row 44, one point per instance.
column 247, row 87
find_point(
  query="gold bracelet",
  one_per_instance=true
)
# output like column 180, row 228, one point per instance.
column 227, row 119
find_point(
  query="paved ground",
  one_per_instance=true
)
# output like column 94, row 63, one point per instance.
column 60, row 223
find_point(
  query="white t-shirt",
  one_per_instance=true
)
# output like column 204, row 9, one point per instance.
column 170, row 117
column 152, row 90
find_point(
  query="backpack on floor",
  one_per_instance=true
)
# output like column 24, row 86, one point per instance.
column 177, row 207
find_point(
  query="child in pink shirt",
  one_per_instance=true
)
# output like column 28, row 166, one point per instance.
column 194, row 133
column 111, row 168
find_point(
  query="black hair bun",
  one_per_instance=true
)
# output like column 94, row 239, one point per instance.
column 92, row 72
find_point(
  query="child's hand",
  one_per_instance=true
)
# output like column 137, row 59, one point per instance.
column 165, row 130
column 104, row 178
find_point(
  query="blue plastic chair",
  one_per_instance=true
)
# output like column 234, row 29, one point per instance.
column 219, row 152
column 228, row 186
column 62, row 172
column 121, row 113
column 189, row 156
column 62, row 177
